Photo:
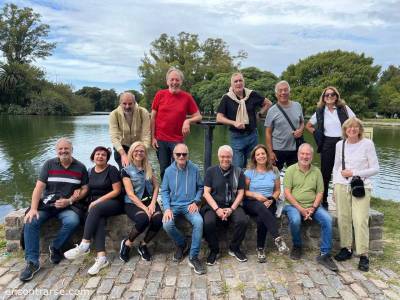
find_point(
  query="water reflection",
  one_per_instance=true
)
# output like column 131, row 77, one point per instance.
column 27, row 141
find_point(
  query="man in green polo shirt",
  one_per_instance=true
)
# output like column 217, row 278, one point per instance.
column 304, row 188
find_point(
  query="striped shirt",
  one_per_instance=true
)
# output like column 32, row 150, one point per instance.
column 61, row 182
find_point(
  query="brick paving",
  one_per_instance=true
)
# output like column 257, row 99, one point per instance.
column 278, row 278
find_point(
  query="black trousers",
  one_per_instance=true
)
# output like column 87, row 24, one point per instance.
column 96, row 221
column 164, row 155
column 265, row 219
column 117, row 156
column 327, row 162
column 238, row 219
column 282, row 157
column 141, row 221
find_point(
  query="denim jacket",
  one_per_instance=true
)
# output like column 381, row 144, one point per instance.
column 139, row 182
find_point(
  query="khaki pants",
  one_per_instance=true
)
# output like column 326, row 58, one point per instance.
column 352, row 213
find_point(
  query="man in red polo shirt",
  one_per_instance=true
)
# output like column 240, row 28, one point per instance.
column 172, row 112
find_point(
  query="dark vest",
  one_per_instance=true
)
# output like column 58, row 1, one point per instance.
column 341, row 111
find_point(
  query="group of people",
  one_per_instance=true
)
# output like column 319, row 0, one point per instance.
column 229, row 194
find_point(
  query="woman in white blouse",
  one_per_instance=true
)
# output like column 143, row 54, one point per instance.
column 359, row 160
column 326, row 126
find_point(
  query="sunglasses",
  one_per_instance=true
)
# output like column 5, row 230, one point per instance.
column 330, row 95
column 181, row 154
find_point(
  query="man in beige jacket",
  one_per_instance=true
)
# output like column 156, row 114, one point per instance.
column 128, row 123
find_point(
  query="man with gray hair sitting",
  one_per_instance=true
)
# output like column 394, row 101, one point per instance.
column 224, row 186
column 304, row 187
column 62, row 182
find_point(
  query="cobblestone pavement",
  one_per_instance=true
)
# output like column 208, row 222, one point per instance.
column 279, row 278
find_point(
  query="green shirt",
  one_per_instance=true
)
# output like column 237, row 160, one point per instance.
column 304, row 186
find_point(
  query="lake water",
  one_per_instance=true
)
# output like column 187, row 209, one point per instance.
column 27, row 141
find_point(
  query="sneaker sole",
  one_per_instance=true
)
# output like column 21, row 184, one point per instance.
column 30, row 278
column 101, row 268
column 233, row 254
column 194, row 269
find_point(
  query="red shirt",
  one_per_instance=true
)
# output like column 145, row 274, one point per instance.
column 171, row 113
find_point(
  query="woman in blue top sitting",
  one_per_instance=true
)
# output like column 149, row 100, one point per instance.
column 141, row 187
column 263, row 187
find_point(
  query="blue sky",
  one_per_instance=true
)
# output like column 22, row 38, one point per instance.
column 101, row 43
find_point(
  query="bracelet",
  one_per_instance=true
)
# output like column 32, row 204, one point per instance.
column 271, row 198
column 70, row 201
column 216, row 209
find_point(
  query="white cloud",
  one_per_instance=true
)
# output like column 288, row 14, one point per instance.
column 104, row 41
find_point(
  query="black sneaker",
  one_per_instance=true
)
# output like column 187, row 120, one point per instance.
column 55, row 255
column 239, row 255
column 261, row 255
column 212, row 258
column 296, row 253
column 363, row 265
column 197, row 266
column 124, row 251
column 180, row 252
column 327, row 261
column 28, row 272
column 344, row 254
column 144, row 252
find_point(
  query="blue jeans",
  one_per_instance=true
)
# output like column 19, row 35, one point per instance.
column 321, row 216
column 69, row 222
column 242, row 144
column 197, row 232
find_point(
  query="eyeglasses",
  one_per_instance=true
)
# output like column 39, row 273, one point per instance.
column 330, row 95
column 181, row 154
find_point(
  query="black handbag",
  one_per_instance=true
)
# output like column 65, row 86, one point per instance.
column 299, row 140
column 356, row 183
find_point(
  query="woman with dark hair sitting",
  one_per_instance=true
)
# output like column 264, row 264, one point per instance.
column 104, row 189
column 263, row 187
column 141, row 205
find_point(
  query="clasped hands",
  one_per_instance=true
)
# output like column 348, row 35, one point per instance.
column 224, row 213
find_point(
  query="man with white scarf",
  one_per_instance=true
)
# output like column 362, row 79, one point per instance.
column 238, row 110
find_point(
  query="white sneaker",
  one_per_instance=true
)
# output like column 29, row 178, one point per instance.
column 98, row 265
column 281, row 245
column 75, row 253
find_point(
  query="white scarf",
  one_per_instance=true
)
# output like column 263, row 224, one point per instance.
column 241, row 115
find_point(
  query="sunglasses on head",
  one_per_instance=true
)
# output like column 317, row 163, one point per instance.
column 181, row 154
column 330, row 95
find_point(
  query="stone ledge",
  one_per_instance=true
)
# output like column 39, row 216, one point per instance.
column 119, row 226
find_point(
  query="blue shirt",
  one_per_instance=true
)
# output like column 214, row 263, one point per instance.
column 262, row 183
column 139, row 182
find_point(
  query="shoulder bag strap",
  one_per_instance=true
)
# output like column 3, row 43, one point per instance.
column 343, row 165
column 286, row 116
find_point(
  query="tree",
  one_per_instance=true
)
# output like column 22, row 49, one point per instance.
column 209, row 92
column 353, row 74
column 18, row 82
column 389, row 91
column 198, row 61
column 22, row 35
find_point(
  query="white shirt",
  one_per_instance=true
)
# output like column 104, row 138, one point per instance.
column 360, row 158
column 332, row 125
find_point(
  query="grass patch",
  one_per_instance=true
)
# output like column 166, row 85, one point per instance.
column 391, row 235
column 3, row 241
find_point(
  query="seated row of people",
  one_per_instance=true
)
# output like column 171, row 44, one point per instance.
column 229, row 193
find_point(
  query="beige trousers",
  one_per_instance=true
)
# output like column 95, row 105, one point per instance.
column 352, row 213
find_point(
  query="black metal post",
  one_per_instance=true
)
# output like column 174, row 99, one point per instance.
column 208, row 140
